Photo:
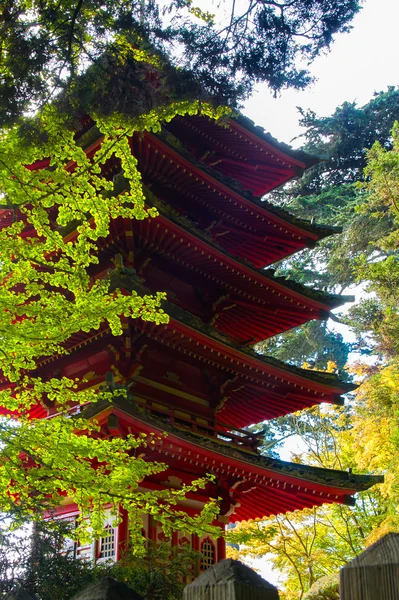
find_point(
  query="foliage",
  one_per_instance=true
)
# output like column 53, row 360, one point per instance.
column 314, row 429
column 45, row 45
column 326, row 588
column 310, row 546
column 331, row 265
column 383, row 172
column 32, row 560
column 313, row 343
column 377, row 317
column 328, row 193
column 376, row 435
column 58, row 211
column 267, row 41
column 343, row 139
column 160, row 575
column 307, row 545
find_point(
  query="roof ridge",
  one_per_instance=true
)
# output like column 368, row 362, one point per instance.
column 305, row 472
column 170, row 140
column 186, row 318
column 268, row 273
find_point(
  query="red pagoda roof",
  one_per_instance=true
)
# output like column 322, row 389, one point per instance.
column 245, row 303
column 242, row 151
column 258, row 388
column 259, row 486
column 218, row 204
column 242, row 224
column 237, row 385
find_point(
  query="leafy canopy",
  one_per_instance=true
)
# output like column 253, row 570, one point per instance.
column 46, row 44
column 305, row 546
column 329, row 193
column 308, row 547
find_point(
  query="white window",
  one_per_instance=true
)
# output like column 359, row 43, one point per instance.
column 208, row 554
column 106, row 544
column 102, row 550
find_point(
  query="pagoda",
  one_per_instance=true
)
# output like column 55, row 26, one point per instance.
column 198, row 378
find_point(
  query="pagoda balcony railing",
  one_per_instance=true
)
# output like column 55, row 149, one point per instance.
column 217, row 431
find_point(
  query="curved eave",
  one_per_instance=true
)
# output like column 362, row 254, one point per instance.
column 187, row 161
column 192, row 323
column 77, row 355
column 325, row 382
column 259, row 389
column 265, row 141
column 238, row 149
column 315, row 299
column 223, row 196
column 230, row 186
column 187, row 241
column 256, row 305
column 256, row 388
column 299, row 157
column 259, row 486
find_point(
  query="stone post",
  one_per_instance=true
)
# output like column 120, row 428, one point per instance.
column 107, row 589
column 230, row 580
column 374, row 574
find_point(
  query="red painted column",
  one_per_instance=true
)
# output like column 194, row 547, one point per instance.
column 122, row 535
column 195, row 542
column 152, row 529
column 221, row 545
column 195, row 546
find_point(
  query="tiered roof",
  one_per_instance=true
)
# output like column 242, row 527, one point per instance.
column 257, row 486
column 240, row 222
column 207, row 249
column 240, row 386
column 241, row 151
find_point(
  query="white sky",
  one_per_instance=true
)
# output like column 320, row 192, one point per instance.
column 361, row 62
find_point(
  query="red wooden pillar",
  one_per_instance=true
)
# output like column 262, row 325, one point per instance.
column 122, row 535
column 221, row 542
column 195, row 546
column 152, row 529
column 221, row 545
column 195, row 542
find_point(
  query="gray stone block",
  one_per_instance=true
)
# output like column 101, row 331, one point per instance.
column 230, row 580
column 374, row 574
column 107, row 588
